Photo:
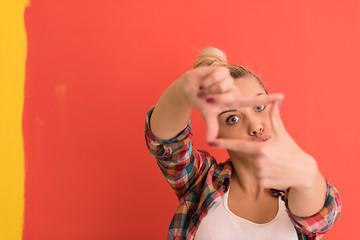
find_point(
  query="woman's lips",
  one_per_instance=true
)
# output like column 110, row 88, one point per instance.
column 263, row 138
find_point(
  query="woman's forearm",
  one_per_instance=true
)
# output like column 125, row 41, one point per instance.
column 172, row 112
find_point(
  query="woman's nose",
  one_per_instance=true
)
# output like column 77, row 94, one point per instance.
column 256, row 129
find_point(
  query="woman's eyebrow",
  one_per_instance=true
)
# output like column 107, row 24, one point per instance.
column 231, row 110
column 234, row 110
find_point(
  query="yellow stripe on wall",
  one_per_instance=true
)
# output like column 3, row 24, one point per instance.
column 13, row 47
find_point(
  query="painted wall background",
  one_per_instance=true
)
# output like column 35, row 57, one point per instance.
column 12, row 76
column 95, row 67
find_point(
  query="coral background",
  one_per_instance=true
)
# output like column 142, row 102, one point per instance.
column 95, row 67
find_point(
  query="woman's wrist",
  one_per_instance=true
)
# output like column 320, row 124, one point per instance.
column 309, row 173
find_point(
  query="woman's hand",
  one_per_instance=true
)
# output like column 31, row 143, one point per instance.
column 280, row 162
column 214, row 81
column 212, row 90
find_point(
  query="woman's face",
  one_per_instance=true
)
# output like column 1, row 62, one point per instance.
column 248, row 123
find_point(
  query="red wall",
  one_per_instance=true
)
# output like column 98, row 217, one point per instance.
column 95, row 67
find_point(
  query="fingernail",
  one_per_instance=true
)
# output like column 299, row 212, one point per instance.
column 209, row 100
column 201, row 94
column 213, row 144
column 279, row 103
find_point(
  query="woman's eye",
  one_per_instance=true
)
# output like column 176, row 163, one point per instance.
column 260, row 108
column 232, row 119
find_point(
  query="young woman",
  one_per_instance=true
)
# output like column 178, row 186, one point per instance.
column 269, row 188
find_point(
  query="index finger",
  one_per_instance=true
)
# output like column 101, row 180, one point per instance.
column 255, row 101
column 212, row 127
column 239, row 145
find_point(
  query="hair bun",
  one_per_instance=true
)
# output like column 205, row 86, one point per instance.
column 211, row 56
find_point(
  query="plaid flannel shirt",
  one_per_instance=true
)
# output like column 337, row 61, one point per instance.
column 198, row 180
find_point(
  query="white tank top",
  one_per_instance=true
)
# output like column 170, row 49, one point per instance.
column 220, row 223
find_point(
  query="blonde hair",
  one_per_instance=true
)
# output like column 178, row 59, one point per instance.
column 212, row 56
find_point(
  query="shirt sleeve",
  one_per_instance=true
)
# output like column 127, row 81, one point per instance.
column 180, row 163
column 317, row 225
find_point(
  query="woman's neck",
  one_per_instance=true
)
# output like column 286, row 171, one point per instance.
column 244, row 177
